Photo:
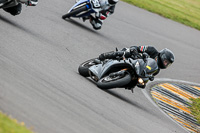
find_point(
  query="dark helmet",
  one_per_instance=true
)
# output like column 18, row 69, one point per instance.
column 165, row 58
column 112, row 2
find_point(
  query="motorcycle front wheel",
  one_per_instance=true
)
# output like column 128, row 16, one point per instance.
column 74, row 12
column 114, row 82
column 84, row 67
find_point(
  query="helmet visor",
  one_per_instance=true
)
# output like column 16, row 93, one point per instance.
column 165, row 61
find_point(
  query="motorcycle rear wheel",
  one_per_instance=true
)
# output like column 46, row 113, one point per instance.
column 74, row 12
column 84, row 67
column 109, row 82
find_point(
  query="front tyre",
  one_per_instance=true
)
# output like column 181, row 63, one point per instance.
column 74, row 12
column 84, row 67
column 113, row 82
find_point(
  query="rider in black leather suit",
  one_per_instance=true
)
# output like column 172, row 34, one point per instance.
column 164, row 58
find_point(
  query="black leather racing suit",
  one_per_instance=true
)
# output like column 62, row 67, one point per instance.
column 150, row 50
column 132, row 52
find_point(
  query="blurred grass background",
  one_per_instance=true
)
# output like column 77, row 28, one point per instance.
column 9, row 125
column 184, row 11
column 195, row 109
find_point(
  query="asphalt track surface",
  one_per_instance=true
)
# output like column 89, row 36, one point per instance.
column 40, row 54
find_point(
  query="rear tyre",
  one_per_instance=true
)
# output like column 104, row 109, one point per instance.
column 109, row 82
column 84, row 67
column 74, row 12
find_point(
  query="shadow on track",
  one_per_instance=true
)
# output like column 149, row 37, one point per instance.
column 28, row 31
column 80, row 25
column 126, row 100
column 14, row 24
column 90, row 29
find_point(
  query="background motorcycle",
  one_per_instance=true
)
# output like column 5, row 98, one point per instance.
column 8, row 4
column 119, row 73
column 83, row 8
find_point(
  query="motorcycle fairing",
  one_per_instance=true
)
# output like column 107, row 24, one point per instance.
column 89, row 6
column 146, row 69
column 151, row 66
column 80, row 2
column 100, row 70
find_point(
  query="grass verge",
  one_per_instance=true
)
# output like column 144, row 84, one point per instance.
column 8, row 125
column 184, row 11
column 195, row 109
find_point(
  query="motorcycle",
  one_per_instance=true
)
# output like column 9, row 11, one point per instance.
column 83, row 8
column 123, row 73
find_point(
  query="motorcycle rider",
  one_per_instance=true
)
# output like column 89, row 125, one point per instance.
column 164, row 58
column 15, row 10
column 107, row 8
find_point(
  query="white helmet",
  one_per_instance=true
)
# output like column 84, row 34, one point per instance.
column 112, row 2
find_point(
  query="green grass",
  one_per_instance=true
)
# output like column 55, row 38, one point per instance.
column 195, row 109
column 184, row 11
column 8, row 125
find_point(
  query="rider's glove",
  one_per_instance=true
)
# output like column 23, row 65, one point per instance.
column 133, row 51
column 102, row 57
column 145, row 56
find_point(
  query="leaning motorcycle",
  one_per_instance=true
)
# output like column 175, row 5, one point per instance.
column 83, row 8
column 121, row 73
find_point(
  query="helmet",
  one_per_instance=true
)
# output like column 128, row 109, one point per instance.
column 112, row 2
column 165, row 58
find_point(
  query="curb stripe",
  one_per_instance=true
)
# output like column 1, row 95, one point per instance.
column 174, row 99
column 171, row 102
column 189, row 126
column 198, row 88
column 177, row 91
column 170, row 94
